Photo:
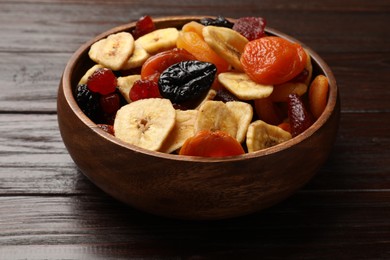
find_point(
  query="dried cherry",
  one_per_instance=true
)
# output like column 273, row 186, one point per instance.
column 144, row 89
column 102, row 81
column 186, row 80
column 143, row 26
column 251, row 28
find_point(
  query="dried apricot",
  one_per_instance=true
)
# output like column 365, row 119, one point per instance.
column 273, row 60
column 318, row 95
column 268, row 111
column 156, row 64
column 208, row 143
column 194, row 44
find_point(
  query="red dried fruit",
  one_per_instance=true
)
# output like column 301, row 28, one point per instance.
column 143, row 89
column 143, row 26
column 110, row 103
column 156, row 64
column 102, row 81
column 251, row 28
column 107, row 128
column 299, row 117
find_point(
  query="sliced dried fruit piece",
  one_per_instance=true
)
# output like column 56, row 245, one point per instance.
column 318, row 95
column 267, row 111
column 89, row 72
column 183, row 129
column 299, row 117
column 195, row 44
column 282, row 91
column 243, row 113
column 227, row 43
column 273, row 60
column 113, row 51
column 186, row 80
column 251, row 28
column 145, row 123
column 102, row 81
column 261, row 135
column 155, row 65
column 193, row 27
column 211, row 144
column 159, row 40
column 137, row 59
column 215, row 115
column 125, row 84
column 243, row 87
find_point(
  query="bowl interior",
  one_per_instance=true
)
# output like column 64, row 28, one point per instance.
column 80, row 63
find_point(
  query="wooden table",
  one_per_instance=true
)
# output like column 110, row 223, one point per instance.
column 49, row 210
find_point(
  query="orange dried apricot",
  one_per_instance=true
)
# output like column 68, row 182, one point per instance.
column 208, row 143
column 194, row 44
column 156, row 64
column 267, row 111
column 318, row 95
column 273, row 60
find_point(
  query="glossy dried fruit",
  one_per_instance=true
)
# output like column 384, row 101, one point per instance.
column 88, row 101
column 251, row 28
column 143, row 26
column 273, row 60
column 156, row 64
column 102, row 81
column 299, row 117
column 219, row 21
column 110, row 103
column 196, row 45
column 143, row 89
column 211, row 144
column 318, row 95
column 186, row 80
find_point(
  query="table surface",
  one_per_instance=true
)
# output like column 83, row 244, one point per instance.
column 49, row 210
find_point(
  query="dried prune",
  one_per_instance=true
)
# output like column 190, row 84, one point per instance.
column 219, row 21
column 186, row 80
column 88, row 101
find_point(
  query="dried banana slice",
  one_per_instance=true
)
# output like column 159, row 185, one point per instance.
column 125, row 84
column 113, row 51
column 243, row 87
column 159, row 40
column 243, row 113
column 183, row 129
column 215, row 115
column 89, row 72
column 261, row 135
column 227, row 43
column 145, row 123
column 140, row 55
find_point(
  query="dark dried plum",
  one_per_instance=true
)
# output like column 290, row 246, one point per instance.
column 299, row 116
column 219, row 21
column 186, row 80
column 225, row 96
column 88, row 101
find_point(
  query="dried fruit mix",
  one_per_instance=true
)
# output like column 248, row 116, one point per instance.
column 211, row 88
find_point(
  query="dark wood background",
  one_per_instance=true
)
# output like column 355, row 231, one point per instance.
column 49, row 210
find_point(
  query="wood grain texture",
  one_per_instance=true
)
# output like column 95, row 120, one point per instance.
column 49, row 210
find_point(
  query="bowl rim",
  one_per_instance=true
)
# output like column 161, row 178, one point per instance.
column 69, row 97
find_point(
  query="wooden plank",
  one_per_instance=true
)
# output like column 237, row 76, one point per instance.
column 33, row 156
column 305, row 226
column 66, row 25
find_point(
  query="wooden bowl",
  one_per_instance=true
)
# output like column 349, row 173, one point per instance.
column 186, row 187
